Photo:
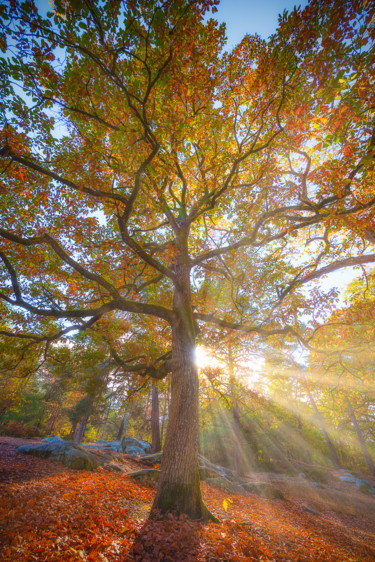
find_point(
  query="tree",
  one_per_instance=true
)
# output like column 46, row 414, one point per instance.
column 155, row 419
column 146, row 164
column 350, row 360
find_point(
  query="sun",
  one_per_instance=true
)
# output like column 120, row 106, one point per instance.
column 205, row 357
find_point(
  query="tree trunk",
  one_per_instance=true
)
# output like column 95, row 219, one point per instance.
column 155, row 427
column 81, row 429
column 73, row 431
column 121, row 434
column 165, row 410
column 179, row 484
column 332, row 451
column 361, row 440
column 52, row 421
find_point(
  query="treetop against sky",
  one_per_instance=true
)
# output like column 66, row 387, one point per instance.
column 264, row 163
column 250, row 16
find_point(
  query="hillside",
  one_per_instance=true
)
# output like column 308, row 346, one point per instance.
column 49, row 512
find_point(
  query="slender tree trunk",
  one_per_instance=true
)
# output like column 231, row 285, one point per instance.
column 361, row 440
column 121, row 434
column 179, row 484
column 73, row 431
column 165, row 410
column 81, row 429
column 52, row 421
column 155, row 427
column 332, row 451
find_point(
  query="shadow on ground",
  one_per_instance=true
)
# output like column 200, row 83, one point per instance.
column 168, row 539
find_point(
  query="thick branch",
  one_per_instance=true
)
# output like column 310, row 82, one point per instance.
column 8, row 152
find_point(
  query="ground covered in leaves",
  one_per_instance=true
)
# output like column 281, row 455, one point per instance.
column 48, row 513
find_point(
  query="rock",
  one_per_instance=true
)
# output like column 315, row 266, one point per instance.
column 148, row 476
column 225, row 484
column 317, row 484
column 366, row 488
column 132, row 442
column 146, row 445
column 263, row 489
column 115, row 446
column 364, row 485
column 205, row 464
column 134, row 451
column 352, row 479
column 67, row 452
column 310, row 510
column 153, row 459
column 55, row 439
column 205, row 473
column 302, row 475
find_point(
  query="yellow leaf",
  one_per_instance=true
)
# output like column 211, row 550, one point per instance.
column 225, row 503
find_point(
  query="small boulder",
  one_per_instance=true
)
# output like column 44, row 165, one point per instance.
column 351, row 479
column 55, row 439
column 67, row 452
column 132, row 442
column 134, row 451
column 114, row 446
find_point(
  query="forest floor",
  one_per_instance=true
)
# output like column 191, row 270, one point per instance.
column 49, row 512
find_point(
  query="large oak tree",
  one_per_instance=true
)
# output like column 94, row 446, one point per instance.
column 147, row 172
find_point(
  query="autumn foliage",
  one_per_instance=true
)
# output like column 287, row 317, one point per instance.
column 52, row 513
column 158, row 191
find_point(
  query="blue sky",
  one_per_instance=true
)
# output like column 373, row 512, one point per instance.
column 251, row 16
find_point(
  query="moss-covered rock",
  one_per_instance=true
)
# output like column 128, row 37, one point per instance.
column 66, row 452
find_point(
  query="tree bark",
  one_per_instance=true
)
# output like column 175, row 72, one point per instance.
column 73, row 431
column 332, row 451
column 155, row 426
column 81, row 429
column 165, row 410
column 121, row 434
column 361, row 440
column 179, row 484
